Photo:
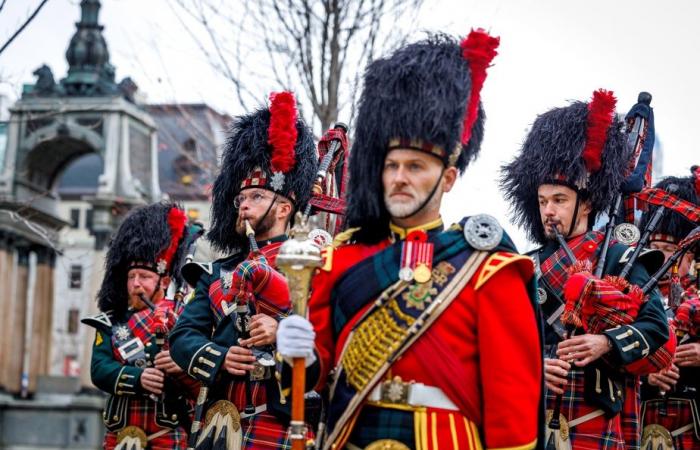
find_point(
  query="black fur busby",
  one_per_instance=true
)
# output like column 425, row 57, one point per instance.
column 151, row 237
column 420, row 98
column 582, row 146
column 673, row 226
column 247, row 150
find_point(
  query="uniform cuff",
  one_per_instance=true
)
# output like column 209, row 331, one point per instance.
column 629, row 344
column 128, row 381
column 206, row 362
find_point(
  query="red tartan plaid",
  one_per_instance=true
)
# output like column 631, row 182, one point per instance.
column 257, row 178
column 598, row 433
column 659, row 197
column 597, row 305
column 678, row 413
column 325, row 203
column 173, row 440
column 687, row 320
column 265, row 431
column 143, row 323
column 631, row 413
column 556, row 268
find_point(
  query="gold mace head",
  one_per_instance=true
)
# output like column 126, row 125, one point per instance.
column 298, row 258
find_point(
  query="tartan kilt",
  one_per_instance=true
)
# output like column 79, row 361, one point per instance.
column 678, row 414
column 600, row 433
column 264, row 431
column 141, row 413
column 631, row 413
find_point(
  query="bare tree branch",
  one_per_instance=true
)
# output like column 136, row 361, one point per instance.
column 23, row 26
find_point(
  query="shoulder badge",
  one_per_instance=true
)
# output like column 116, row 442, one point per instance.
column 498, row 261
column 192, row 271
column 483, row 232
column 98, row 321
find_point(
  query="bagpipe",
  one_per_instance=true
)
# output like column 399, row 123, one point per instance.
column 593, row 302
column 257, row 285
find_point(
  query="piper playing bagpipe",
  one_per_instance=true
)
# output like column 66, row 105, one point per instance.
column 226, row 333
column 427, row 336
column 147, row 406
column 570, row 168
column 671, row 397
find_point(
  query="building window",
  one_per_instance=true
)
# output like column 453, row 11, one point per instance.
column 76, row 276
column 73, row 321
column 75, row 218
column 89, row 219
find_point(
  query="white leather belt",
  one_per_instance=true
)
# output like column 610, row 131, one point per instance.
column 258, row 410
column 413, row 394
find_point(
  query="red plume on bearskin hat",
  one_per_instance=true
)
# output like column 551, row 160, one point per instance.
column 151, row 237
column 582, row 146
column 426, row 97
column 271, row 148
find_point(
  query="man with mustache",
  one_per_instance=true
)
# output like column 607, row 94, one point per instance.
column 671, row 397
column 569, row 169
column 146, row 407
column 429, row 333
column 267, row 173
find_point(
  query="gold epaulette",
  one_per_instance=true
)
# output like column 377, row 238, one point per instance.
column 339, row 239
column 496, row 262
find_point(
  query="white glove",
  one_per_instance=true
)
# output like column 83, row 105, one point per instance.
column 295, row 339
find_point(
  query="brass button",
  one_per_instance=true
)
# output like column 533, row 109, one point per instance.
column 636, row 344
column 174, row 417
column 119, row 392
column 115, row 417
column 200, row 359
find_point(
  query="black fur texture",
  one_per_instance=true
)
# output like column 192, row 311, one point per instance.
column 554, row 147
column 247, row 148
column 418, row 92
column 141, row 237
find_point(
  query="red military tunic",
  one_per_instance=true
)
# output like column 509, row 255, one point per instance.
column 483, row 352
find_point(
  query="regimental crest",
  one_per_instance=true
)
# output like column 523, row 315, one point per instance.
column 122, row 333
column 419, row 294
column 277, row 181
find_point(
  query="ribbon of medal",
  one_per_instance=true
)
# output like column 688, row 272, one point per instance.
column 416, row 257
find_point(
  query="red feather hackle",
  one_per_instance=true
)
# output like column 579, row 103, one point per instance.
column 479, row 49
column 176, row 222
column 601, row 111
column 282, row 133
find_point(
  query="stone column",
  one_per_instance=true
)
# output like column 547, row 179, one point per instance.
column 42, row 310
column 6, row 301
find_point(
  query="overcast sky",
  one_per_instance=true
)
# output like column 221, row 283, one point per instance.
column 551, row 51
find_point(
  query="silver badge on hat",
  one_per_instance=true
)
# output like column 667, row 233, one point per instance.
column 483, row 232
column 627, row 233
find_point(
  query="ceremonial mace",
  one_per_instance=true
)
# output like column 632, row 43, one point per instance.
column 298, row 258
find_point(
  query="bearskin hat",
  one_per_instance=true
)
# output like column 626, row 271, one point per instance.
column 582, row 146
column 272, row 149
column 151, row 237
column 673, row 226
column 425, row 97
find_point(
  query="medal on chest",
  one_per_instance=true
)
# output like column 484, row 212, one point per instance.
column 416, row 257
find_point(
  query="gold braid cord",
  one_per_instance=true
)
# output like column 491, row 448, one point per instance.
column 374, row 341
